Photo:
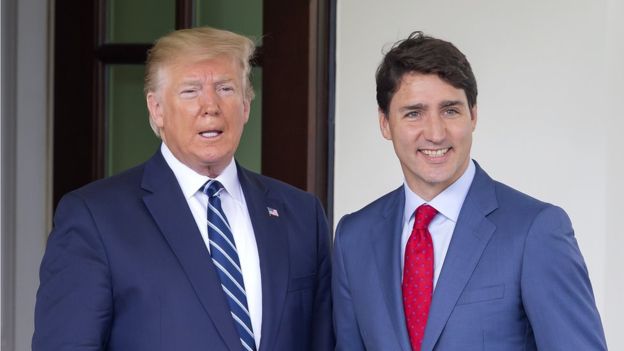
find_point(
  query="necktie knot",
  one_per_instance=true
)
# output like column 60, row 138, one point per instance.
column 212, row 188
column 424, row 215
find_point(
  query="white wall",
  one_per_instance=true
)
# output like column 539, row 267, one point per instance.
column 550, row 92
column 1, row 93
column 613, row 315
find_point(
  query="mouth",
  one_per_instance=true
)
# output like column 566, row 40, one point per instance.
column 435, row 153
column 211, row 134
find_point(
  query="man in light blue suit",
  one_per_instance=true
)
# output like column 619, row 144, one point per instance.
column 188, row 251
column 494, row 269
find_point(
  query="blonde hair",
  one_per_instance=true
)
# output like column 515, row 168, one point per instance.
column 201, row 43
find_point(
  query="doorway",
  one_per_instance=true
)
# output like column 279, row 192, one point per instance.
column 100, row 119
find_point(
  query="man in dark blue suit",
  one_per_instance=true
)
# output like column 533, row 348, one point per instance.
column 188, row 251
column 453, row 260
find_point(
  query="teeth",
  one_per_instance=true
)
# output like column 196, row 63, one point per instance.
column 435, row 153
column 210, row 134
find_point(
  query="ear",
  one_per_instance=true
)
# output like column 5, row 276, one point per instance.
column 155, row 108
column 384, row 124
column 246, row 108
column 473, row 117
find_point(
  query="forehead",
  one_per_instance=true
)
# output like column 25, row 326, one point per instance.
column 202, row 69
column 426, row 88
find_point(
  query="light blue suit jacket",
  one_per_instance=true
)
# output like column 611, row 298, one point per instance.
column 513, row 278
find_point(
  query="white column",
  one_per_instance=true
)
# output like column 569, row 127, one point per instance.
column 32, row 170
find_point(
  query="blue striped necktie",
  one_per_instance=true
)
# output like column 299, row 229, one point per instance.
column 225, row 258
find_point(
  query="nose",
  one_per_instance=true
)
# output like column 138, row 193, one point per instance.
column 434, row 129
column 209, row 102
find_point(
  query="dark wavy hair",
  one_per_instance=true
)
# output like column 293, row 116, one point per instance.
column 420, row 53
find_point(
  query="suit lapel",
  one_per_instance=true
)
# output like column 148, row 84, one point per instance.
column 271, row 234
column 388, row 262
column 170, row 211
column 472, row 234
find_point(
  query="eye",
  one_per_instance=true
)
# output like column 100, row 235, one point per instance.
column 225, row 89
column 188, row 93
column 451, row 112
column 413, row 114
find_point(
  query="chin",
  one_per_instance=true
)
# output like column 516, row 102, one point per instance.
column 435, row 173
column 215, row 158
column 437, row 179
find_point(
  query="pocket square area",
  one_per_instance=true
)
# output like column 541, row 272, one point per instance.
column 488, row 293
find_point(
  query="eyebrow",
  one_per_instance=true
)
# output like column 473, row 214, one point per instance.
column 193, row 82
column 418, row 106
column 449, row 103
column 441, row 105
column 215, row 82
column 223, row 80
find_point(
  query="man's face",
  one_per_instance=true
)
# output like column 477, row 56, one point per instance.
column 201, row 109
column 430, row 125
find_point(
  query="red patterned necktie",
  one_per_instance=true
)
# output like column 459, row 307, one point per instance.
column 418, row 275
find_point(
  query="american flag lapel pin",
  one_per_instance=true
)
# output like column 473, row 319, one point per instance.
column 272, row 212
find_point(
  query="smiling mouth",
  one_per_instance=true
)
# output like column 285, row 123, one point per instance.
column 435, row 153
column 211, row 133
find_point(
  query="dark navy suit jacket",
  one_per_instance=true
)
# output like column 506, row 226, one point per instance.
column 513, row 279
column 125, row 268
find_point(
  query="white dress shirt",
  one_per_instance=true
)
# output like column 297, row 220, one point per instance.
column 235, row 208
column 448, row 203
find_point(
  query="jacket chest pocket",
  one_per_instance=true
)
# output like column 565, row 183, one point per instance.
column 489, row 293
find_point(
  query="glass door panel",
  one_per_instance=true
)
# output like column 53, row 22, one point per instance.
column 249, row 152
column 138, row 21
column 240, row 16
column 130, row 139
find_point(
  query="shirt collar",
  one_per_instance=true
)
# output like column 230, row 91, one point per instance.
column 448, row 203
column 191, row 181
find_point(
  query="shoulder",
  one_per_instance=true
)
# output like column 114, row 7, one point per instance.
column 543, row 216
column 97, row 205
column 522, row 203
column 298, row 207
column 300, row 211
column 275, row 187
column 381, row 205
column 494, row 196
column 508, row 196
column 106, row 192
column 124, row 183
column 516, row 209
column 390, row 204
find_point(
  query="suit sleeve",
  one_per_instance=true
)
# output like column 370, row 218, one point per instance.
column 74, row 301
column 556, row 291
column 323, row 333
column 345, row 323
